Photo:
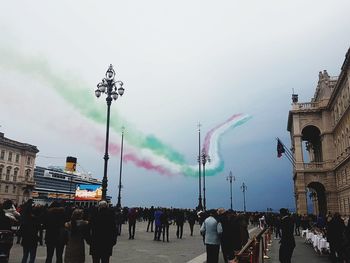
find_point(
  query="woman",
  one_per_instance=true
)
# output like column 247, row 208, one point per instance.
column 29, row 230
column 78, row 231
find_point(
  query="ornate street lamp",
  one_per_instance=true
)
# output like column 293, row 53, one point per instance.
column 231, row 178
column 200, row 206
column 119, row 205
column 244, row 189
column 205, row 158
column 112, row 88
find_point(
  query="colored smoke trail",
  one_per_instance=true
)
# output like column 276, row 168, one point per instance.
column 146, row 159
column 150, row 153
column 73, row 91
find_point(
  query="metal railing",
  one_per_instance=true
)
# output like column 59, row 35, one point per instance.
column 250, row 253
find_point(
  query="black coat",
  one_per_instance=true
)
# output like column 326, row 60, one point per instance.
column 54, row 224
column 29, row 230
column 103, row 232
column 287, row 227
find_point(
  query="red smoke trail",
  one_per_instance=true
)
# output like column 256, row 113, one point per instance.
column 210, row 133
column 146, row 164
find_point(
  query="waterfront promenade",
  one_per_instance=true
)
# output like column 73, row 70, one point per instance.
column 189, row 249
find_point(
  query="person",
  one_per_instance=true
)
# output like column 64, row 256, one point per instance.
column 191, row 218
column 230, row 239
column 132, row 216
column 7, row 219
column 212, row 230
column 77, row 232
column 29, row 230
column 102, row 233
column 118, row 220
column 287, row 240
column 335, row 234
column 158, row 224
column 164, row 218
column 180, row 220
column 55, row 236
column 150, row 218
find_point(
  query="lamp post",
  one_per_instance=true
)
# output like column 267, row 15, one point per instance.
column 112, row 89
column 200, row 206
column 244, row 188
column 231, row 178
column 205, row 158
column 120, row 170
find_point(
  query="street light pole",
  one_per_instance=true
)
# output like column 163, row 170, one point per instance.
column 200, row 206
column 112, row 89
column 244, row 188
column 231, row 178
column 205, row 159
column 120, row 171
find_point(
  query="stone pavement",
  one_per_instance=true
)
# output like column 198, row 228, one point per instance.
column 303, row 253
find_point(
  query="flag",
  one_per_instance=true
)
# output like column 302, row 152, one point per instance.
column 280, row 148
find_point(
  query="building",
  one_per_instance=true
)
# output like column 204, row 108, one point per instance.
column 320, row 139
column 62, row 184
column 16, row 170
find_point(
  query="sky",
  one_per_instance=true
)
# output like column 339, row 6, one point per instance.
column 182, row 63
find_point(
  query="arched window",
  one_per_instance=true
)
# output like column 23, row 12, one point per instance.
column 15, row 174
column 8, row 171
column 27, row 175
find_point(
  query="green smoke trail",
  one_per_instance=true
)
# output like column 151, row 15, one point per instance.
column 72, row 90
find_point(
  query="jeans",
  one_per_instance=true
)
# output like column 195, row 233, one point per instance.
column 100, row 259
column 212, row 253
column 50, row 249
column 29, row 252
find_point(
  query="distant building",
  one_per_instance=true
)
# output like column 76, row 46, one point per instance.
column 322, row 126
column 16, row 170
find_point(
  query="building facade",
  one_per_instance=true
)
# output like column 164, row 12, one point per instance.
column 16, row 170
column 320, row 139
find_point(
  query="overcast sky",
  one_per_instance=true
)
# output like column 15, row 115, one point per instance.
column 182, row 62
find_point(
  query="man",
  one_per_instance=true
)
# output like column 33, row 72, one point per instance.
column 150, row 218
column 55, row 235
column 132, row 216
column 158, row 224
column 212, row 230
column 103, row 233
column 287, row 240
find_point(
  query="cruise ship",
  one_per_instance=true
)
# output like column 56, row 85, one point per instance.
column 56, row 183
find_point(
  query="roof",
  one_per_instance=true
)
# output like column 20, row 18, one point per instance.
column 18, row 145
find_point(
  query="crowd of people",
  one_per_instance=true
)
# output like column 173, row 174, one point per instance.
column 65, row 228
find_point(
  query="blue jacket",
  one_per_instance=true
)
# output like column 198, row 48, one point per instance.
column 212, row 230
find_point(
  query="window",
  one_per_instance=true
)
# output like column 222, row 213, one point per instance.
column 15, row 173
column 1, row 171
column 8, row 170
column 17, row 158
column 6, row 189
column 28, row 160
column 2, row 155
column 14, row 189
column 9, row 157
column 27, row 175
